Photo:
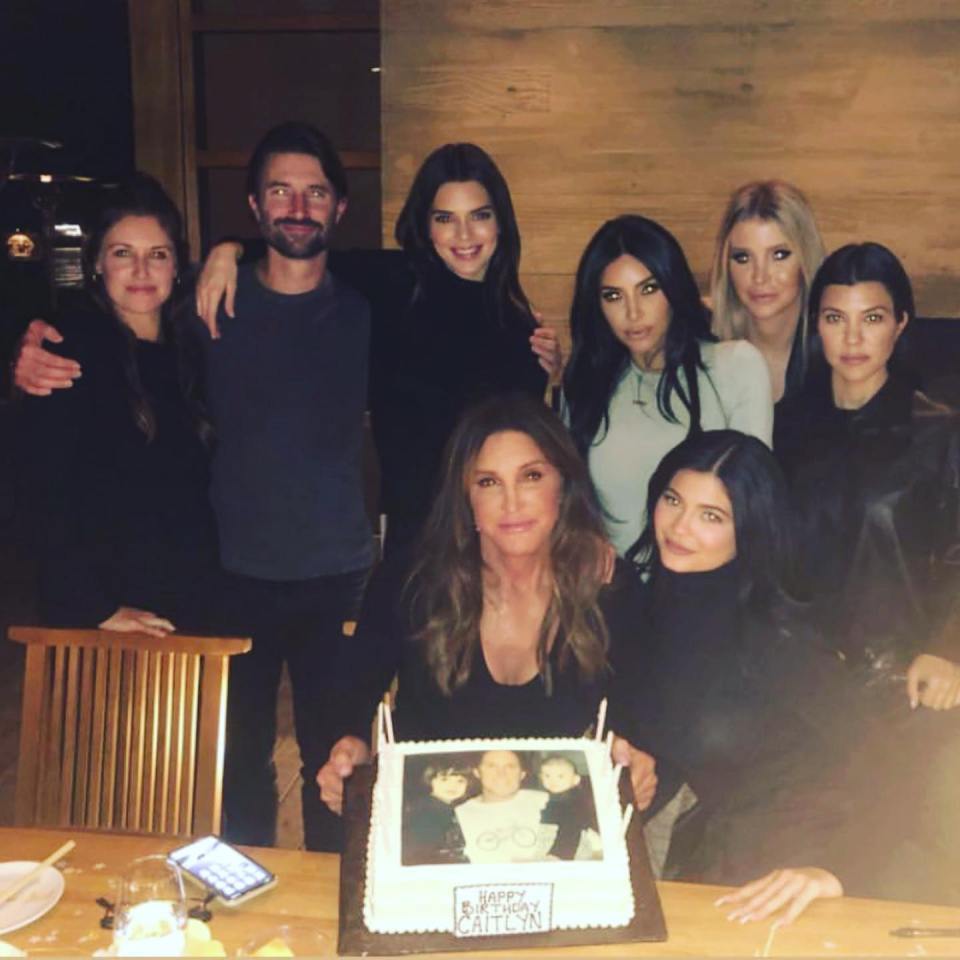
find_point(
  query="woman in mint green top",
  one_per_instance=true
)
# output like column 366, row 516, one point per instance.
column 645, row 372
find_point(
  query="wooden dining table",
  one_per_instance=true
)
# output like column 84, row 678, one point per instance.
column 307, row 894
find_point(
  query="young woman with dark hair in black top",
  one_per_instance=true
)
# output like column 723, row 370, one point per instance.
column 733, row 693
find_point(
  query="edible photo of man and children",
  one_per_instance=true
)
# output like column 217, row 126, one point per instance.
column 498, row 806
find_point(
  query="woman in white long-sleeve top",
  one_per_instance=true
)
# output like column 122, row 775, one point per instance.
column 645, row 371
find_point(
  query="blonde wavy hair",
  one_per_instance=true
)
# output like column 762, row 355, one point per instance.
column 446, row 585
column 788, row 208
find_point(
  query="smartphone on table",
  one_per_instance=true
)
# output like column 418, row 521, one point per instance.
column 222, row 868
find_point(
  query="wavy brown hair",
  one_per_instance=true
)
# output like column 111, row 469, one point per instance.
column 446, row 585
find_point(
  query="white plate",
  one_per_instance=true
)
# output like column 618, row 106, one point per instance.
column 39, row 896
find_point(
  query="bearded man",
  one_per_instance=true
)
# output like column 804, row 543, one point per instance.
column 287, row 390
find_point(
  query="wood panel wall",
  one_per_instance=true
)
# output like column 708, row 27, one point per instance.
column 161, row 73
column 209, row 77
column 662, row 107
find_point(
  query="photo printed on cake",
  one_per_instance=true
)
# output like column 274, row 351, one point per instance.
column 498, row 806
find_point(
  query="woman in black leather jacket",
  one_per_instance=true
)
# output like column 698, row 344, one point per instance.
column 875, row 471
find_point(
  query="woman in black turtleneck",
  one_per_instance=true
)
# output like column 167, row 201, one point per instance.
column 874, row 467
column 732, row 694
column 461, row 331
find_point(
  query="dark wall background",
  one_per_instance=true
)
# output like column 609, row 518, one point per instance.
column 67, row 77
column 67, row 70
column 247, row 82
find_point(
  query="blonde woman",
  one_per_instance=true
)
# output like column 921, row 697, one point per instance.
column 768, row 249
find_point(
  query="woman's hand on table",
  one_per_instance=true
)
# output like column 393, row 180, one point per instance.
column 933, row 682
column 37, row 371
column 134, row 620
column 345, row 754
column 218, row 281
column 791, row 890
column 643, row 771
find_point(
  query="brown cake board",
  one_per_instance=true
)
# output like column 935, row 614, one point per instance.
column 356, row 940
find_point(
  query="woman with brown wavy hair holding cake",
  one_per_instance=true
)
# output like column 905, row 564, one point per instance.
column 511, row 614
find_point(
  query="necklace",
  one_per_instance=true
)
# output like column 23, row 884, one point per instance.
column 637, row 388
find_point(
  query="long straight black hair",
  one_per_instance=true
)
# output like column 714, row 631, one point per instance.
column 462, row 163
column 142, row 196
column 763, row 517
column 598, row 360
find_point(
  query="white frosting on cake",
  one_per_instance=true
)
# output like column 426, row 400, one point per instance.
column 536, row 896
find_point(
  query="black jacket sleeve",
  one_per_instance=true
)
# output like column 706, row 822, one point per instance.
column 55, row 435
column 944, row 640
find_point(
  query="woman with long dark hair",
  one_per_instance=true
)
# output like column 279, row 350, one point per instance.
column 464, row 333
column 117, row 465
column 459, row 215
column 875, row 469
column 645, row 371
column 451, row 324
column 515, row 612
column 733, row 693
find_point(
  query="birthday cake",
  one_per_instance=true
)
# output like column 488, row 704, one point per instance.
column 494, row 837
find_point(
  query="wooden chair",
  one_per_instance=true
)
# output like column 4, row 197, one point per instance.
column 122, row 731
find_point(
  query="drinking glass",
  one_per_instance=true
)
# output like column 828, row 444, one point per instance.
column 151, row 912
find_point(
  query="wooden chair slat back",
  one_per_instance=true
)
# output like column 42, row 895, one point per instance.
column 71, row 721
column 84, row 735
column 190, row 728
column 151, row 741
column 98, row 724
column 111, row 731
column 54, row 743
column 123, row 731
column 125, row 752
